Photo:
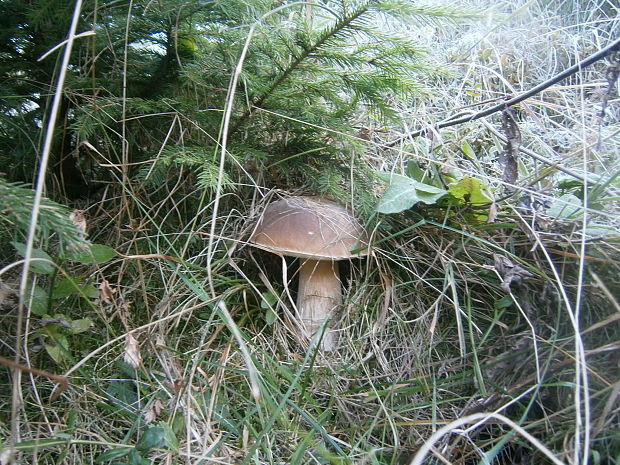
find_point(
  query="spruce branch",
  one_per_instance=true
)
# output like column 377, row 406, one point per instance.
column 341, row 25
column 16, row 204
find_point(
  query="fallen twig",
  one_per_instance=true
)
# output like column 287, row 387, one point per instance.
column 61, row 380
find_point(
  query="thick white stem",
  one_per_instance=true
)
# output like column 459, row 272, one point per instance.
column 320, row 292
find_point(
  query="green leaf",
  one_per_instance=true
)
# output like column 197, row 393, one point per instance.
column 90, row 291
column 38, row 266
column 38, row 300
column 600, row 230
column 113, row 454
column 121, row 395
column 468, row 151
column 270, row 317
column 39, row 444
column 404, row 192
column 170, row 438
column 81, row 325
column 470, row 190
column 57, row 350
column 565, row 207
column 152, row 438
column 268, row 302
column 96, row 254
column 570, row 183
column 504, row 302
column 135, row 458
column 414, row 171
column 66, row 287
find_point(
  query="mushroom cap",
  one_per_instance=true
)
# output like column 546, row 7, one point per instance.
column 309, row 227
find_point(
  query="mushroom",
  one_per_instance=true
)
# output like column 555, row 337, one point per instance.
column 320, row 232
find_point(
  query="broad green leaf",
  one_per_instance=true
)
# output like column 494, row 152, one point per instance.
column 152, row 438
column 468, row 151
column 268, row 300
column 470, row 154
column 57, row 349
column 54, row 352
column 504, row 302
column 90, row 291
column 134, row 458
column 470, row 190
column 96, row 254
column 570, row 183
column 270, row 316
column 404, row 192
column 600, row 230
column 66, row 287
column 121, row 395
column 565, row 207
column 38, row 299
column 414, row 171
column 81, row 325
column 43, row 263
column 170, row 438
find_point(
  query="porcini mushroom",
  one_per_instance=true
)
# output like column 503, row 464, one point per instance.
column 320, row 232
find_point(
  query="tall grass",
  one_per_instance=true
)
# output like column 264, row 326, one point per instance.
column 193, row 356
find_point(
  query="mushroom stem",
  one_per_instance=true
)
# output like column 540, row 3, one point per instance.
column 319, row 294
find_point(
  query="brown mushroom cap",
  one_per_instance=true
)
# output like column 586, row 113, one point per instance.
column 309, row 227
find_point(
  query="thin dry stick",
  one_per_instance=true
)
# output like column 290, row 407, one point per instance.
column 536, row 156
column 63, row 381
column 252, row 371
column 36, row 205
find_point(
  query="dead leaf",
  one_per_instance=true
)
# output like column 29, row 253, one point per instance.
column 152, row 412
column 78, row 219
column 387, row 298
column 8, row 297
column 177, row 385
column 132, row 355
column 510, row 272
column 106, row 292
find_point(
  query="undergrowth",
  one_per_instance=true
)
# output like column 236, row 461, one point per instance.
column 486, row 317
